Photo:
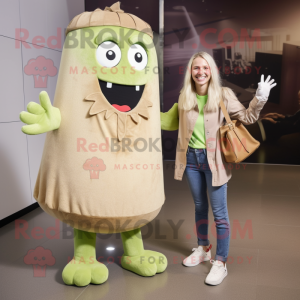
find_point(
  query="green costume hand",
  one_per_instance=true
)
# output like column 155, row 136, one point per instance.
column 170, row 120
column 40, row 118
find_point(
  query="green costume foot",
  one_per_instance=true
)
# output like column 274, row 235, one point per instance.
column 84, row 268
column 140, row 261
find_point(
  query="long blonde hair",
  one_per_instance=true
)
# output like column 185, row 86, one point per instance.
column 188, row 98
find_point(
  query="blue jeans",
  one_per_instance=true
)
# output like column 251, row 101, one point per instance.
column 199, row 177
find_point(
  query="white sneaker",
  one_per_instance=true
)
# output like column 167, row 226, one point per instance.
column 217, row 273
column 197, row 257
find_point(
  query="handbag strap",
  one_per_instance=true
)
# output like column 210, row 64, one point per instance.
column 225, row 113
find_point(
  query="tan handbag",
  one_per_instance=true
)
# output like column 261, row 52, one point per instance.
column 235, row 140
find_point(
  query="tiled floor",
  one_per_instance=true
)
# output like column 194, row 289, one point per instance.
column 264, row 261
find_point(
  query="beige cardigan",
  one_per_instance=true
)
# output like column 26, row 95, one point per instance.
column 212, row 121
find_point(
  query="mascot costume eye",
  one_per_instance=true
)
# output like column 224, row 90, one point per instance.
column 101, row 169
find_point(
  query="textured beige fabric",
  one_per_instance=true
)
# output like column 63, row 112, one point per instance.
column 109, row 16
column 101, row 225
column 129, row 185
column 101, row 105
column 221, row 170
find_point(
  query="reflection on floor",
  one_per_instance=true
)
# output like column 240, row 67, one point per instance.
column 264, row 262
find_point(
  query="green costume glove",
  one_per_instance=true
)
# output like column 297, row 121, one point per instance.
column 170, row 120
column 40, row 118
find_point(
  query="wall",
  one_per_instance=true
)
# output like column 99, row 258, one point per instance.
column 41, row 22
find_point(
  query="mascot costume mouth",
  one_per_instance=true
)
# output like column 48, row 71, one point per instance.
column 101, row 170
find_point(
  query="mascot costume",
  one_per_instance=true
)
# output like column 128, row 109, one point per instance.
column 101, row 169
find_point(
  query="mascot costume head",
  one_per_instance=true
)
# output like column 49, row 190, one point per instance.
column 101, row 170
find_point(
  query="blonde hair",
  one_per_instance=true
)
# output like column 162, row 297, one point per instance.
column 188, row 100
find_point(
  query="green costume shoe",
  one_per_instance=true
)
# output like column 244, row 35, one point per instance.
column 140, row 261
column 84, row 268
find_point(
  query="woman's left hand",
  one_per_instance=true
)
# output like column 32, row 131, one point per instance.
column 264, row 87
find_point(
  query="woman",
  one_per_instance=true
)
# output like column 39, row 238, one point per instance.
column 198, row 118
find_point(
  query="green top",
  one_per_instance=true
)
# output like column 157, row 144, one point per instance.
column 198, row 136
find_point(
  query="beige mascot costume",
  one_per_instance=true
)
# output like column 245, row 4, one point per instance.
column 101, row 170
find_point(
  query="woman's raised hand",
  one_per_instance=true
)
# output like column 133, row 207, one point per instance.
column 264, row 87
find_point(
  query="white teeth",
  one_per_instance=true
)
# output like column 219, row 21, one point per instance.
column 109, row 85
column 137, row 87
